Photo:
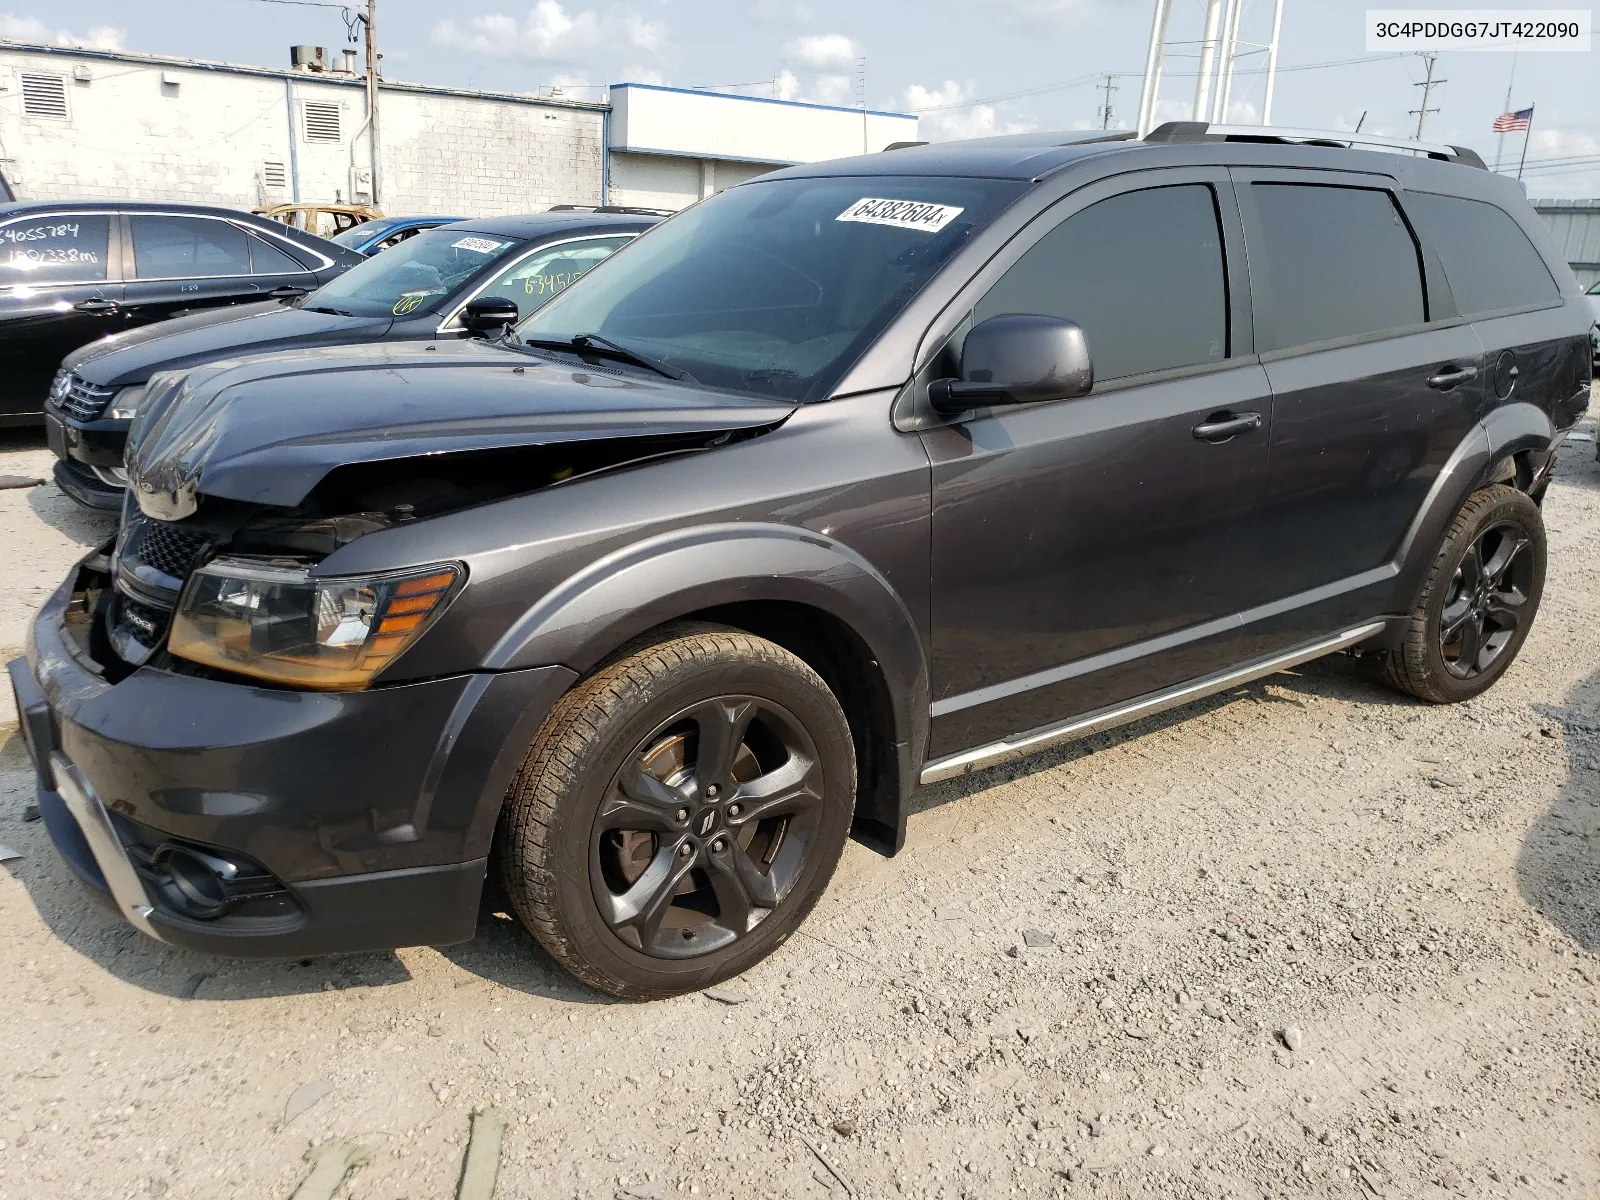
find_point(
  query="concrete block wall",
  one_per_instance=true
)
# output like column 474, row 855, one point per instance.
column 153, row 129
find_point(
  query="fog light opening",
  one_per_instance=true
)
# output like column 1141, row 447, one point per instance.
column 196, row 883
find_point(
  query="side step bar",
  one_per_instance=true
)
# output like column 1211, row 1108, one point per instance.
column 1022, row 744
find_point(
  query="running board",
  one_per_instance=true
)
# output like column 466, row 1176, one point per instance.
column 1023, row 744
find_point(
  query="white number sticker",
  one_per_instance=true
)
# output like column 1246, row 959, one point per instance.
column 902, row 214
column 477, row 245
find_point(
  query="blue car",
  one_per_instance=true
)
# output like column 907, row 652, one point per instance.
column 374, row 237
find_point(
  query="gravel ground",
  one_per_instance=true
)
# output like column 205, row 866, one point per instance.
column 1310, row 938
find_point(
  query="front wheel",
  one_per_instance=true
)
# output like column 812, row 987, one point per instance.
column 679, row 813
column 1478, row 602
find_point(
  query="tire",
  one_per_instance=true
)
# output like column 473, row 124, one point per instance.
column 647, row 872
column 1478, row 601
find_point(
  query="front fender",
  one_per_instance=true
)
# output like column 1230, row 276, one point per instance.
column 586, row 617
column 1484, row 455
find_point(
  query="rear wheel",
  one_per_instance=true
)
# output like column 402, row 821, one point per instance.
column 1479, row 600
column 679, row 813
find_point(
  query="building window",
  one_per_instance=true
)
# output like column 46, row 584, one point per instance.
column 44, row 96
column 322, row 121
column 274, row 177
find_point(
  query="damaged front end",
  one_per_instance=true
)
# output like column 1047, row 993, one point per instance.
column 245, row 476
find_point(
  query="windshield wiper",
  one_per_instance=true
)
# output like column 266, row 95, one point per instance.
column 595, row 344
column 323, row 308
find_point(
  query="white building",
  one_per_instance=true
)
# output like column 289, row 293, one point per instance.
column 110, row 124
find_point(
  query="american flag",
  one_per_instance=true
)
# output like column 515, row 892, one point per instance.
column 1508, row 122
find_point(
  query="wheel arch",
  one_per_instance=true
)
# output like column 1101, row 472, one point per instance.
column 800, row 589
column 1510, row 445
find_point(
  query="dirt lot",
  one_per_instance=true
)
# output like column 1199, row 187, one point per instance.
column 1075, row 980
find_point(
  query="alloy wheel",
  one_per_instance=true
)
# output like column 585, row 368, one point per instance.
column 1487, row 599
column 706, row 827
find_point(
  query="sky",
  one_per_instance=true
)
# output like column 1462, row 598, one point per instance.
column 967, row 67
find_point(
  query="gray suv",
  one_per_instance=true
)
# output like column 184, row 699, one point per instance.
column 853, row 478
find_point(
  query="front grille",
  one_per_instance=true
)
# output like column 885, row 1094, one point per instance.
column 169, row 549
column 78, row 398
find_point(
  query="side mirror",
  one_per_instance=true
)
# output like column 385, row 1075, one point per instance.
column 1018, row 358
column 489, row 315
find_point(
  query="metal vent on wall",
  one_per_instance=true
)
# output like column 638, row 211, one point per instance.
column 322, row 122
column 44, row 96
column 274, row 176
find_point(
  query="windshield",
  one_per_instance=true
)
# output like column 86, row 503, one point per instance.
column 1595, row 290
column 357, row 234
column 776, row 287
column 416, row 276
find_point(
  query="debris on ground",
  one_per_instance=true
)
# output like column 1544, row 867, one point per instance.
column 331, row 1163
column 303, row 1098
column 481, row 1166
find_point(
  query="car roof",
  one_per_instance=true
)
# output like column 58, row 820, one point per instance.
column 538, row 225
column 1033, row 156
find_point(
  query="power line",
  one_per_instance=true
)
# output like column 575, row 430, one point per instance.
column 302, row 3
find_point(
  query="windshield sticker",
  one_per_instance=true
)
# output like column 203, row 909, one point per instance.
column 477, row 245
column 902, row 214
column 408, row 303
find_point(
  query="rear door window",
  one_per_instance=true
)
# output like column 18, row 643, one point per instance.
column 1338, row 262
column 187, row 247
column 1489, row 261
column 54, row 249
column 1141, row 272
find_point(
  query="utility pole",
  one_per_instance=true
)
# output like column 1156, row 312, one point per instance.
column 861, row 92
column 1105, row 109
column 372, row 93
column 1500, row 142
column 1427, row 86
column 1208, row 52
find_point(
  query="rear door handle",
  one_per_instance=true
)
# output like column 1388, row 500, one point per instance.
column 95, row 304
column 1449, row 377
column 1219, row 427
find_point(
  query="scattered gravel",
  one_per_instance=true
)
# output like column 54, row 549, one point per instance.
column 1414, row 887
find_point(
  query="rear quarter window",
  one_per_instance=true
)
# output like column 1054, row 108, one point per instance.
column 1489, row 261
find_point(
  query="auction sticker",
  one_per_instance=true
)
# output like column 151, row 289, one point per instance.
column 901, row 214
column 477, row 245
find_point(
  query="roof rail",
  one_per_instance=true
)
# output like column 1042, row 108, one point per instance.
column 1197, row 131
column 901, row 146
column 626, row 210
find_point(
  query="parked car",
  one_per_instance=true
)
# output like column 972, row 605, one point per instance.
column 419, row 290
column 75, row 272
column 385, row 233
column 1593, row 296
column 856, row 476
column 322, row 217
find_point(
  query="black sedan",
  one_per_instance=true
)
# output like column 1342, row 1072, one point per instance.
column 75, row 271
column 419, row 289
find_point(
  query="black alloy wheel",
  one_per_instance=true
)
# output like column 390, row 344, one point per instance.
column 1478, row 601
column 679, row 813
column 706, row 827
column 1487, row 598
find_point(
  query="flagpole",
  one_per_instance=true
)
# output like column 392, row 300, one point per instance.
column 1526, row 134
column 1510, row 83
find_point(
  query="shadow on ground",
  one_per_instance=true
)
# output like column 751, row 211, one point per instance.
column 1558, row 868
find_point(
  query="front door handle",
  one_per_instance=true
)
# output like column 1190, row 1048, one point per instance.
column 287, row 292
column 96, row 304
column 1220, row 427
column 1449, row 377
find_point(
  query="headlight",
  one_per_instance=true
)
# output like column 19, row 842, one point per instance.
column 274, row 621
column 124, row 405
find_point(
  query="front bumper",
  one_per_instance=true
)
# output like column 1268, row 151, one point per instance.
column 365, row 816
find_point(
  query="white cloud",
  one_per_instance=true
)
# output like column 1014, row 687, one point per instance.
column 946, row 113
column 31, row 29
column 787, row 85
column 637, row 74
column 549, row 33
column 827, row 53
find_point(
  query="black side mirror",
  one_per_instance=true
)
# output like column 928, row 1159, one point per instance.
column 1018, row 358
column 489, row 315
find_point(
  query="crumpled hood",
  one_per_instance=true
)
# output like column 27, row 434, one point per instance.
column 267, row 429
column 135, row 355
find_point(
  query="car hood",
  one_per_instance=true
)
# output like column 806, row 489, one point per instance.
column 132, row 357
column 267, row 429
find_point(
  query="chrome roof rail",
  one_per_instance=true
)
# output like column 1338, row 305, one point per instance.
column 1195, row 131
